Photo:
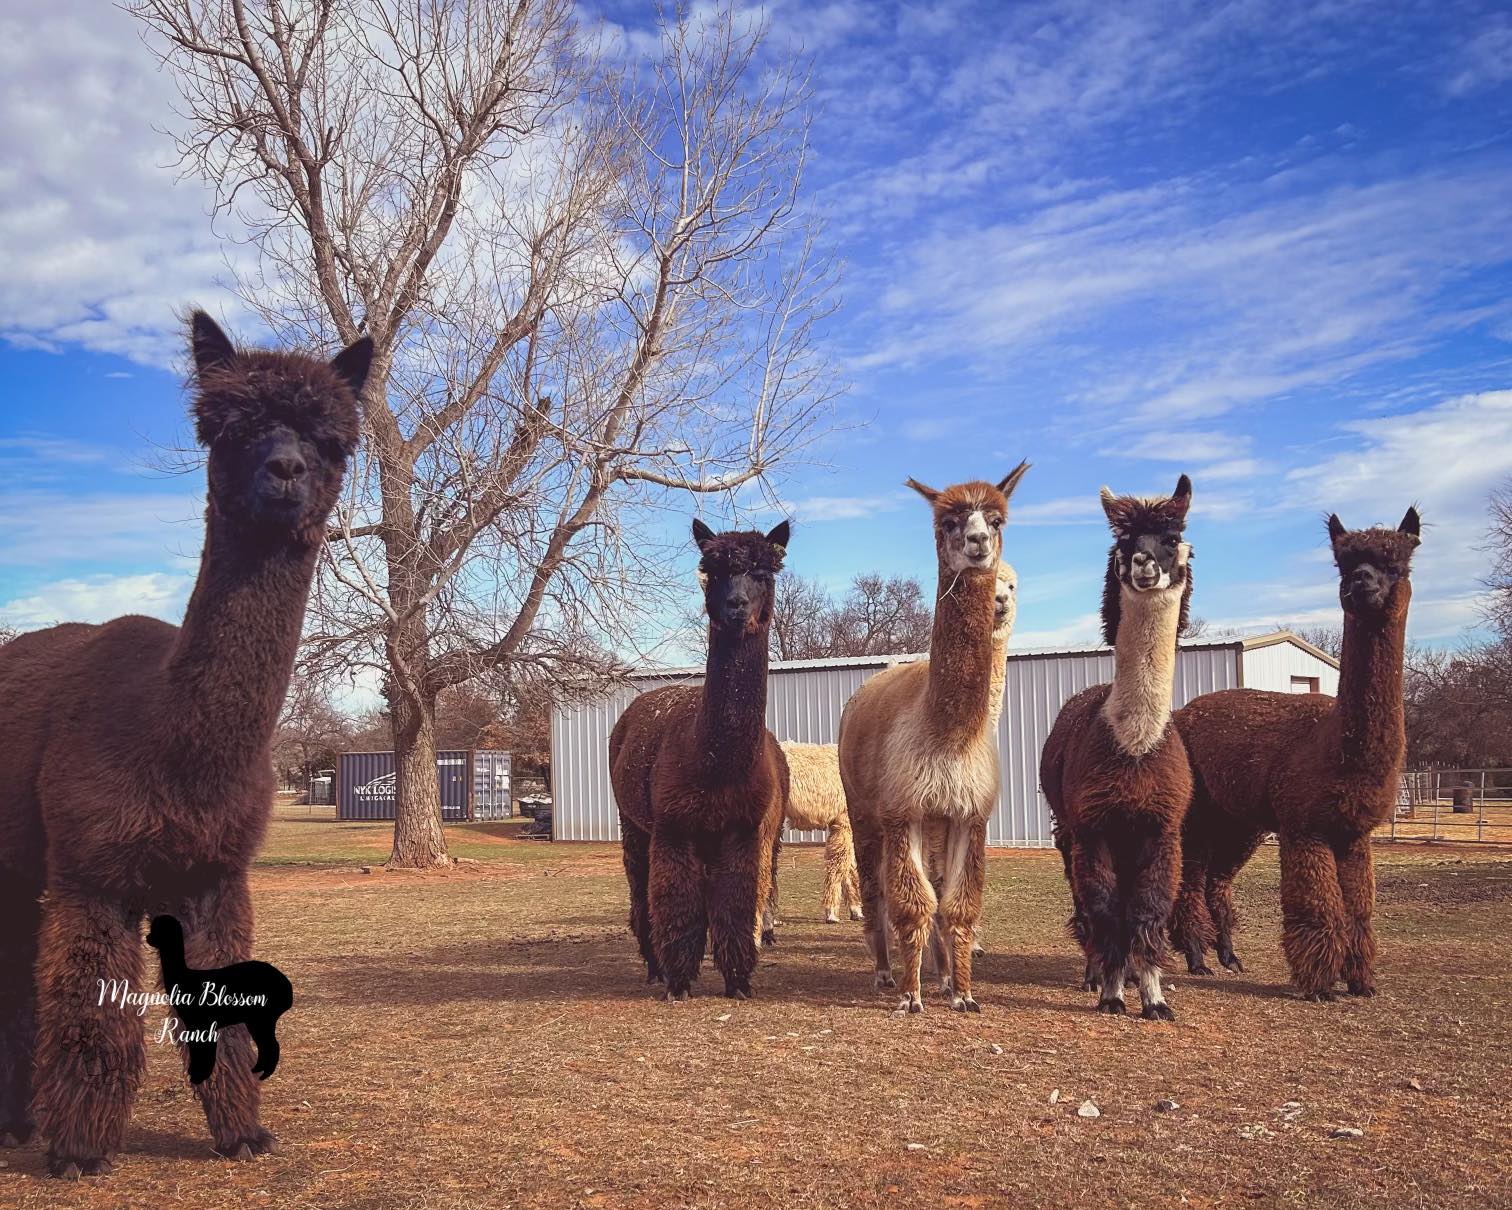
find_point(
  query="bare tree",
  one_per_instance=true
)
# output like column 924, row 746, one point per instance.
column 310, row 733
column 589, row 285
column 1499, row 581
column 878, row 616
column 1327, row 639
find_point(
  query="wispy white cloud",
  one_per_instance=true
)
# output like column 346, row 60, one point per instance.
column 99, row 598
column 50, row 528
column 841, row 508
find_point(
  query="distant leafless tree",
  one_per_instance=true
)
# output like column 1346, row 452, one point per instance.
column 877, row 616
column 1327, row 639
column 1201, row 628
column 590, row 288
column 310, row 733
column 7, row 633
column 1499, row 581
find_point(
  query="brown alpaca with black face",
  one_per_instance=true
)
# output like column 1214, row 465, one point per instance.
column 1320, row 772
column 702, row 784
column 919, row 759
column 135, row 776
column 1114, row 770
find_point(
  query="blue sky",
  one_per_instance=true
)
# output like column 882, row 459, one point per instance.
column 1267, row 244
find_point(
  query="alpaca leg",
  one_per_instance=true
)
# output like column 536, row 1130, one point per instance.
column 836, row 850
column 961, row 903
column 910, row 904
column 768, row 855
column 1101, row 912
column 90, row 1051
column 850, row 885
column 1192, row 927
column 1151, row 893
column 679, row 921
column 1312, row 911
column 735, row 878
column 869, row 850
column 636, row 849
column 1357, row 884
column 22, row 914
column 1227, row 861
column 217, row 932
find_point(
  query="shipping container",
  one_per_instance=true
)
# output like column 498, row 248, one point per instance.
column 473, row 785
column 805, row 698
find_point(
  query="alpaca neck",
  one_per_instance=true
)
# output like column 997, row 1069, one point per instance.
column 1369, row 708
column 230, row 666
column 961, row 655
column 999, row 673
column 1138, row 708
column 732, row 716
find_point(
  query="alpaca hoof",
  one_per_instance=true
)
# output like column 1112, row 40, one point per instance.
column 1089, row 984
column 16, row 1134
column 857, row 914
column 965, row 1004
column 909, row 1004
column 1232, row 963
column 1116, row 1007
column 1360, row 988
column 248, row 1146
column 678, row 996
column 654, row 977
column 1202, row 968
column 768, row 937
column 884, row 979
column 739, row 990
column 831, row 918
column 71, row 1168
column 1157, row 1012
column 1323, row 997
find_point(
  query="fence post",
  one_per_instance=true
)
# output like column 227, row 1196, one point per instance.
column 1480, row 816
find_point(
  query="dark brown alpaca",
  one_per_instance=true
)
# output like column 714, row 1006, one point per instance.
column 135, row 776
column 1320, row 772
column 1114, row 770
column 702, row 784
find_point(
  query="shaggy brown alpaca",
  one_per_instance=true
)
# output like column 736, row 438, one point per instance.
column 1114, row 771
column 702, row 784
column 816, row 802
column 1320, row 772
column 135, row 776
column 918, row 744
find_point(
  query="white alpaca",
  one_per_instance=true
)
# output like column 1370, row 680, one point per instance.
column 816, row 802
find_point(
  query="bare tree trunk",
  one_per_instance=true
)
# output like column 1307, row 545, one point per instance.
column 418, row 840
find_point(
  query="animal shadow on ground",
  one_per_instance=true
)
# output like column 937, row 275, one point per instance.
column 254, row 994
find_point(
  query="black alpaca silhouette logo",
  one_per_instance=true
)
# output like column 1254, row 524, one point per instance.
column 254, row 994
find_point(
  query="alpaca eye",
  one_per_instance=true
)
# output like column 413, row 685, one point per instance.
column 996, row 523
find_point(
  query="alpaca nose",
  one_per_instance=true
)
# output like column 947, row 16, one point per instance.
column 286, row 465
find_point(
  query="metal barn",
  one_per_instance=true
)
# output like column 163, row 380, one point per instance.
column 474, row 785
column 805, row 698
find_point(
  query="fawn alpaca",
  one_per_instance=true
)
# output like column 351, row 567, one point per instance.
column 816, row 802
column 918, row 743
column 1320, row 772
column 702, row 784
column 1114, row 771
column 135, row 773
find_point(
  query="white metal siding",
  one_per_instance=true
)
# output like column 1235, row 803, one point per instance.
column 804, row 704
column 1273, row 666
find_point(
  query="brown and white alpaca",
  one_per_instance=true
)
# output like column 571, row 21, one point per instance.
column 1005, row 610
column 816, row 802
column 1114, row 770
column 702, row 784
column 918, row 742
column 135, row 777
column 1320, row 772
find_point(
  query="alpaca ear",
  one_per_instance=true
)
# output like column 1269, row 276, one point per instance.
column 701, row 533
column 1181, row 499
column 212, row 348
column 779, row 536
column 1336, row 528
column 1011, row 480
column 1411, row 523
column 928, row 493
column 1113, row 508
column 353, row 363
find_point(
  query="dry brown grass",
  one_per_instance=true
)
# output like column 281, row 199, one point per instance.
column 484, row 1038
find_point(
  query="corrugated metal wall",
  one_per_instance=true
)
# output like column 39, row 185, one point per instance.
column 804, row 704
column 1273, row 666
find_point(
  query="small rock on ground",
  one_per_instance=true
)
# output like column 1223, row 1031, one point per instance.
column 1346, row 1132
column 1088, row 1110
column 1167, row 1105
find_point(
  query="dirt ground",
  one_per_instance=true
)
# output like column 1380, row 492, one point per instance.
column 484, row 1037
